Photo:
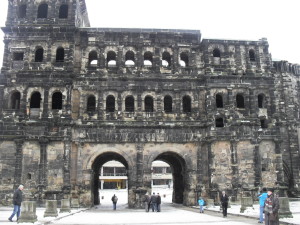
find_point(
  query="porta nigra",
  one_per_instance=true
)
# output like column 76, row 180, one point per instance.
column 221, row 113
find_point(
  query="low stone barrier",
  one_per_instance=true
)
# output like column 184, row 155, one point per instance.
column 65, row 206
column 246, row 202
column 51, row 208
column 284, row 209
column 28, row 212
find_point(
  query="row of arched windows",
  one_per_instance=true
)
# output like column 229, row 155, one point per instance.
column 217, row 54
column 43, row 11
column 39, row 55
column 35, row 101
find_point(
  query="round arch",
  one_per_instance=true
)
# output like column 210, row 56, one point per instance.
column 97, row 163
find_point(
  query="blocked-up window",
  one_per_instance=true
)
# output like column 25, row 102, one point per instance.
column 129, row 104
column 261, row 101
column 35, row 100
column 252, row 55
column 15, row 100
column 219, row 101
column 148, row 59
column 166, row 59
column 149, row 104
column 168, row 102
column 187, row 104
column 219, row 122
column 63, row 11
column 60, row 54
column 57, row 100
column 42, row 11
column 91, row 104
column 93, row 58
column 111, row 58
column 22, row 11
column 129, row 58
column 110, row 103
column 240, row 103
column 39, row 55
column 184, row 59
column 18, row 56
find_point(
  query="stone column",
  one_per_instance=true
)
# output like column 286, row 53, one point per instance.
column 45, row 104
column 284, row 210
column 42, row 167
column 257, row 164
column 67, row 166
column 51, row 208
column 28, row 212
column 19, row 159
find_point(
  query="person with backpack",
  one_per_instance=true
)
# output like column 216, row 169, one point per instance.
column 201, row 204
column 114, row 200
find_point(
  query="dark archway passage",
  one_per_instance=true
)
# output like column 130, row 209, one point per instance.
column 98, row 163
column 178, row 169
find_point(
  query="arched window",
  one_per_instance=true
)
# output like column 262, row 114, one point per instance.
column 261, row 101
column 263, row 123
column 217, row 56
column 166, row 59
column 187, row 104
column 216, row 53
column 91, row 104
column 252, row 55
column 15, row 99
column 129, row 58
column 39, row 55
column 93, row 58
column 60, row 54
column 240, row 101
column 184, row 59
column 149, row 104
column 148, row 59
column 110, row 103
column 219, row 101
column 22, row 11
column 129, row 104
column 168, row 104
column 111, row 58
column 42, row 11
column 35, row 100
column 57, row 100
column 63, row 11
column 219, row 122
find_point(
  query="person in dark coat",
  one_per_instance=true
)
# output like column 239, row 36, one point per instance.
column 17, row 200
column 271, row 209
column 147, row 202
column 153, row 202
column 114, row 199
column 224, row 203
column 158, row 202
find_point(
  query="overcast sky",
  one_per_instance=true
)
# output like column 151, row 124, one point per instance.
column 277, row 20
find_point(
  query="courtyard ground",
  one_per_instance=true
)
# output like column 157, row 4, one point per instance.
column 171, row 213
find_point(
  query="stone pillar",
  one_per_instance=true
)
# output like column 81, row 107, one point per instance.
column 51, row 208
column 65, row 206
column 284, row 209
column 42, row 168
column 246, row 202
column 45, row 104
column 74, row 202
column 18, row 167
column 257, row 163
column 67, row 165
column 28, row 212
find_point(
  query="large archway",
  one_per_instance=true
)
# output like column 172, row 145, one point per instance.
column 178, row 169
column 97, row 164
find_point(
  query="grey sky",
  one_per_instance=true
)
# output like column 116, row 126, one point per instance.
column 276, row 20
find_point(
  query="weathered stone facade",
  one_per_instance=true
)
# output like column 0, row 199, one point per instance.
column 220, row 112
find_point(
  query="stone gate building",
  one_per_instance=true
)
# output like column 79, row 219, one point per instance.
column 221, row 113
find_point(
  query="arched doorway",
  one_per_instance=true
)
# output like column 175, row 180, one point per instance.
column 178, row 170
column 96, row 167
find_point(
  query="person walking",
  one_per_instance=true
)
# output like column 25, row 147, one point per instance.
column 262, row 198
column 17, row 200
column 158, row 202
column 114, row 200
column 153, row 200
column 224, row 203
column 147, row 202
column 271, row 209
column 201, row 204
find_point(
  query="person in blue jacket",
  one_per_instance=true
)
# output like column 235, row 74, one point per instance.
column 262, row 198
column 201, row 204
